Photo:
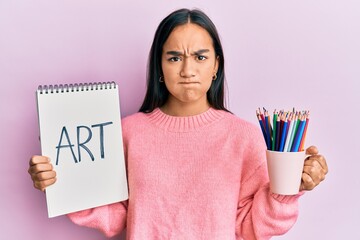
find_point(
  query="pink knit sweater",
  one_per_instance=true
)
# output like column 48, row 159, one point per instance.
column 193, row 178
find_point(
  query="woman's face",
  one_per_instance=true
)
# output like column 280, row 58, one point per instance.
column 189, row 64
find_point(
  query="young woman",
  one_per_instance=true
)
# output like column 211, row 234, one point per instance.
column 195, row 171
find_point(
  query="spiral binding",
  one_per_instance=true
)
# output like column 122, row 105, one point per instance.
column 76, row 87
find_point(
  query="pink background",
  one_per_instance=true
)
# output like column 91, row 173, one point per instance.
column 279, row 54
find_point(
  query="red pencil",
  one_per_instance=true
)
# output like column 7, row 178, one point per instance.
column 304, row 134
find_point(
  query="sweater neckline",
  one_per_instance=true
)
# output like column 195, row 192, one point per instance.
column 187, row 123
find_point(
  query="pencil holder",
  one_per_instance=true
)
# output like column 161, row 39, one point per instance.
column 285, row 170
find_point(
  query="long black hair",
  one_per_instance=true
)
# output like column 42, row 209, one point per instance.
column 157, row 93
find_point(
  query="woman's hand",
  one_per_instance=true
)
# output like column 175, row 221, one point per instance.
column 41, row 172
column 314, row 171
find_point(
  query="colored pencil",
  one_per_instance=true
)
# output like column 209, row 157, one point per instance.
column 283, row 133
column 268, row 119
column 262, row 116
column 274, row 130
column 291, row 125
column 296, row 122
column 304, row 134
column 299, row 133
column 261, row 124
column 278, row 129
column 268, row 131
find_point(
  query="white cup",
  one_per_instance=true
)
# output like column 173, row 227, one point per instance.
column 285, row 170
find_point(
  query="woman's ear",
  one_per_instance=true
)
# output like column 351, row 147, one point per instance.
column 216, row 66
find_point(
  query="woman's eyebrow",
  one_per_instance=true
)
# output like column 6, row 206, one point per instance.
column 201, row 51
column 175, row 53
column 178, row 53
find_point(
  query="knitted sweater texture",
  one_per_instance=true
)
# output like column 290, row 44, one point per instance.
column 194, row 178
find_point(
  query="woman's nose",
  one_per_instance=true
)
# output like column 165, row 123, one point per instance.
column 187, row 70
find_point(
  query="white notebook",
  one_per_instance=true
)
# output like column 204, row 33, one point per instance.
column 80, row 130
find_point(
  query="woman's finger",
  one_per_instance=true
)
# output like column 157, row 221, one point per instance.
column 42, row 176
column 307, row 182
column 40, row 167
column 38, row 159
column 312, row 150
column 316, row 174
column 41, row 185
column 317, row 161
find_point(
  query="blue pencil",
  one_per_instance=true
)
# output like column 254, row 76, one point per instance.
column 261, row 125
column 274, row 130
column 278, row 131
column 283, row 135
column 289, row 131
column 293, row 132
column 298, row 136
column 268, row 131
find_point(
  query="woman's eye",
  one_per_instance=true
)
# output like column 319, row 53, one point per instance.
column 201, row 58
column 174, row 59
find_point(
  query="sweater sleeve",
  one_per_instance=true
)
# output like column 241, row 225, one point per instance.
column 109, row 219
column 260, row 213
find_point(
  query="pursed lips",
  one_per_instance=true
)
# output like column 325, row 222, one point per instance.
column 186, row 83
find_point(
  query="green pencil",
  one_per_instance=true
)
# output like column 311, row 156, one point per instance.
column 274, row 130
column 296, row 125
